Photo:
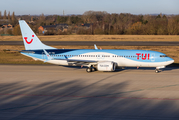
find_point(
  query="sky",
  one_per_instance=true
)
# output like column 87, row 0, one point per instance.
column 50, row 7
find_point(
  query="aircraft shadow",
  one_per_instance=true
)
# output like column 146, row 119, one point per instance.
column 167, row 68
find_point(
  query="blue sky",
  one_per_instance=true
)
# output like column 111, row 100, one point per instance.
column 36, row 7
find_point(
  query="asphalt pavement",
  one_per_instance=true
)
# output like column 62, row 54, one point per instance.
column 38, row 92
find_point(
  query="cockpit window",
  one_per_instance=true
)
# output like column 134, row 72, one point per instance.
column 163, row 55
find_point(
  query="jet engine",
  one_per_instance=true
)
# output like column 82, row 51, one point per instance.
column 106, row 66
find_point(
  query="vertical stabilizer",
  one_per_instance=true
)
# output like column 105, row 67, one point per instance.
column 31, row 41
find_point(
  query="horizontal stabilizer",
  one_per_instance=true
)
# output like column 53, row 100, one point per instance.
column 48, row 56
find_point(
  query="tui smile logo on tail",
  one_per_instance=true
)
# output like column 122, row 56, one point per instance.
column 28, row 41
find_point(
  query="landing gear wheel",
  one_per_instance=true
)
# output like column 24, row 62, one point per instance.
column 95, row 69
column 88, row 70
column 157, row 71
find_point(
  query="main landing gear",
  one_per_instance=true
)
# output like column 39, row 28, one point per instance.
column 90, row 69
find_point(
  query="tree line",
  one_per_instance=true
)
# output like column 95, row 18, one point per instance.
column 9, row 19
column 102, row 22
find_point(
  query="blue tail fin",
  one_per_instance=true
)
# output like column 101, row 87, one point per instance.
column 31, row 41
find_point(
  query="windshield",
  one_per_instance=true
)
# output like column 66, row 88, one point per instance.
column 163, row 55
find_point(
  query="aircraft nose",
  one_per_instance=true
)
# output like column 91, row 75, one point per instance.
column 170, row 60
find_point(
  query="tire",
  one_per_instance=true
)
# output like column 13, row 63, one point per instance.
column 93, row 69
column 88, row 70
column 156, row 71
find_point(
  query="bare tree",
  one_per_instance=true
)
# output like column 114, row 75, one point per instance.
column 0, row 15
column 13, row 19
column 32, row 18
column 4, row 17
column 42, row 17
column 16, row 30
column 9, row 16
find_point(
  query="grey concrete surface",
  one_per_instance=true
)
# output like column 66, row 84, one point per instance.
column 99, row 43
column 29, row 92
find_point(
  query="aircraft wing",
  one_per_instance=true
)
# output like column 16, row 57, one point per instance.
column 77, row 60
column 84, row 61
column 80, row 62
column 73, row 61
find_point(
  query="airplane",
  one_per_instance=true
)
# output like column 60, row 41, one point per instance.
column 94, row 59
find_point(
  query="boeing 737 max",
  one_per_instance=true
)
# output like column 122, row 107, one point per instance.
column 93, row 59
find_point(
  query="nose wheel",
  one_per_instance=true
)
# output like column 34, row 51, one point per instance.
column 157, row 70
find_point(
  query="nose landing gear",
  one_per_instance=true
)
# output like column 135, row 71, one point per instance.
column 157, row 71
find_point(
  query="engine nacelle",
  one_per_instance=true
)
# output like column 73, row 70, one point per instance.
column 106, row 66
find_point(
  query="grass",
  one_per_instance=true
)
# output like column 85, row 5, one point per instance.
column 7, row 57
column 16, row 58
column 98, row 38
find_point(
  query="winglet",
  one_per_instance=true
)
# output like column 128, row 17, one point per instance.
column 48, row 56
column 95, row 47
